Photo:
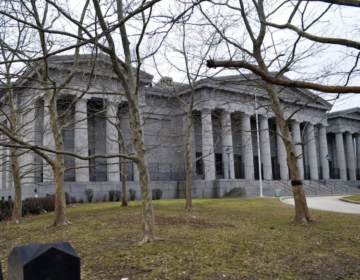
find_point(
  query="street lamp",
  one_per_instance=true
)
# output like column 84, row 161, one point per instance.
column 328, row 157
column 228, row 151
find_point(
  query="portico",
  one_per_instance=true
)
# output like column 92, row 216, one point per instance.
column 344, row 144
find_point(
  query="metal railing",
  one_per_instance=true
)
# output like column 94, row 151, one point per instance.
column 308, row 187
column 338, row 187
column 283, row 184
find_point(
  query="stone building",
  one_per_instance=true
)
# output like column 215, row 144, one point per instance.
column 343, row 134
column 232, row 121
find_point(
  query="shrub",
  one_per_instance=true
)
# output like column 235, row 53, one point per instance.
column 117, row 195
column 25, row 210
column 157, row 194
column 132, row 193
column 80, row 200
column 33, row 205
column 72, row 199
column 6, row 207
column 48, row 203
column 104, row 198
column 89, row 194
column 67, row 198
column 112, row 195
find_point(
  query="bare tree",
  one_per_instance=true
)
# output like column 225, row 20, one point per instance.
column 38, row 77
column 129, row 79
column 186, row 45
column 257, row 50
column 309, row 27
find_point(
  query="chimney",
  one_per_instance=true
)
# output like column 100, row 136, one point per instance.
column 166, row 82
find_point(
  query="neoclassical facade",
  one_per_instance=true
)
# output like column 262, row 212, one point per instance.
column 343, row 134
column 233, row 129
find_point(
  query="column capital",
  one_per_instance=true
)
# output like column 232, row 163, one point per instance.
column 205, row 110
column 225, row 111
column 82, row 101
column 112, row 103
column 247, row 114
column 264, row 117
column 323, row 125
column 310, row 124
column 295, row 122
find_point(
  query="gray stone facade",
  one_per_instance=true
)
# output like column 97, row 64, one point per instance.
column 223, row 135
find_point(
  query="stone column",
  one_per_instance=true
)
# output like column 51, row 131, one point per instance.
column 207, row 144
column 296, row 134
column 312, row 157
column 227, row 142
column 323, row 151
column 28, row 131
column 248, row 156
column 350, row 154
column 265, row 148
column 281, row 155
column 357, row 135
column 48, row 141
column 81, row 141
column 340, row 155
column 112, row 142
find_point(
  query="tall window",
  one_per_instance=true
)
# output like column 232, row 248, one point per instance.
column 219, row 166
column 199, row 165
column 97, row 139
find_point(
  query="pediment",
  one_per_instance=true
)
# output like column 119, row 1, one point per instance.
column 303, row 96
column 353, row 113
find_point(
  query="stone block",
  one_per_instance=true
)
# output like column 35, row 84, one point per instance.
column 54, row 261
column 77, row 188
column 208, row 193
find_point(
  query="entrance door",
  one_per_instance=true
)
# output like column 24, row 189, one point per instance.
column 275, row 169
column 238, row 167
column 256, row 168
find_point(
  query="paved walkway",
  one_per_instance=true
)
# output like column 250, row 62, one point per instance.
column 327, row 203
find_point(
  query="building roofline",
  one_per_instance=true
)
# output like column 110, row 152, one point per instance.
column 344, row 113
column 222, row 82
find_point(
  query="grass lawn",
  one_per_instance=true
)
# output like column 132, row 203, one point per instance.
column 353, row 197
column 220, row 239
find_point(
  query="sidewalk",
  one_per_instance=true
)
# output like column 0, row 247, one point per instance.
column 327, row 203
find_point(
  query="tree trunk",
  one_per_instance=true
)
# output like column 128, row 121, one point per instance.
column 17, row 209
column 302, row 214
column 148, row 219
column 58, row 165
column 60, row 200
column 123, row 184
column 188, row 206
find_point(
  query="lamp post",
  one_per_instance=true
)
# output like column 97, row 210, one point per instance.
column 228, row 151
column 328, row 157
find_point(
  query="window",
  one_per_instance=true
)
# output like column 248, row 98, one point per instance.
column 199, row 165
column 219, row 165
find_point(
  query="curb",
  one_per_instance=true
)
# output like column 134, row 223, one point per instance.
column 350, row 201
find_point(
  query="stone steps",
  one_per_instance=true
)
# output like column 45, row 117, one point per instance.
column 236, row 192
column 253, row 190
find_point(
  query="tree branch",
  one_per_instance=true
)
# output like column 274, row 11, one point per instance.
column 324, row 40
column 281, row 82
